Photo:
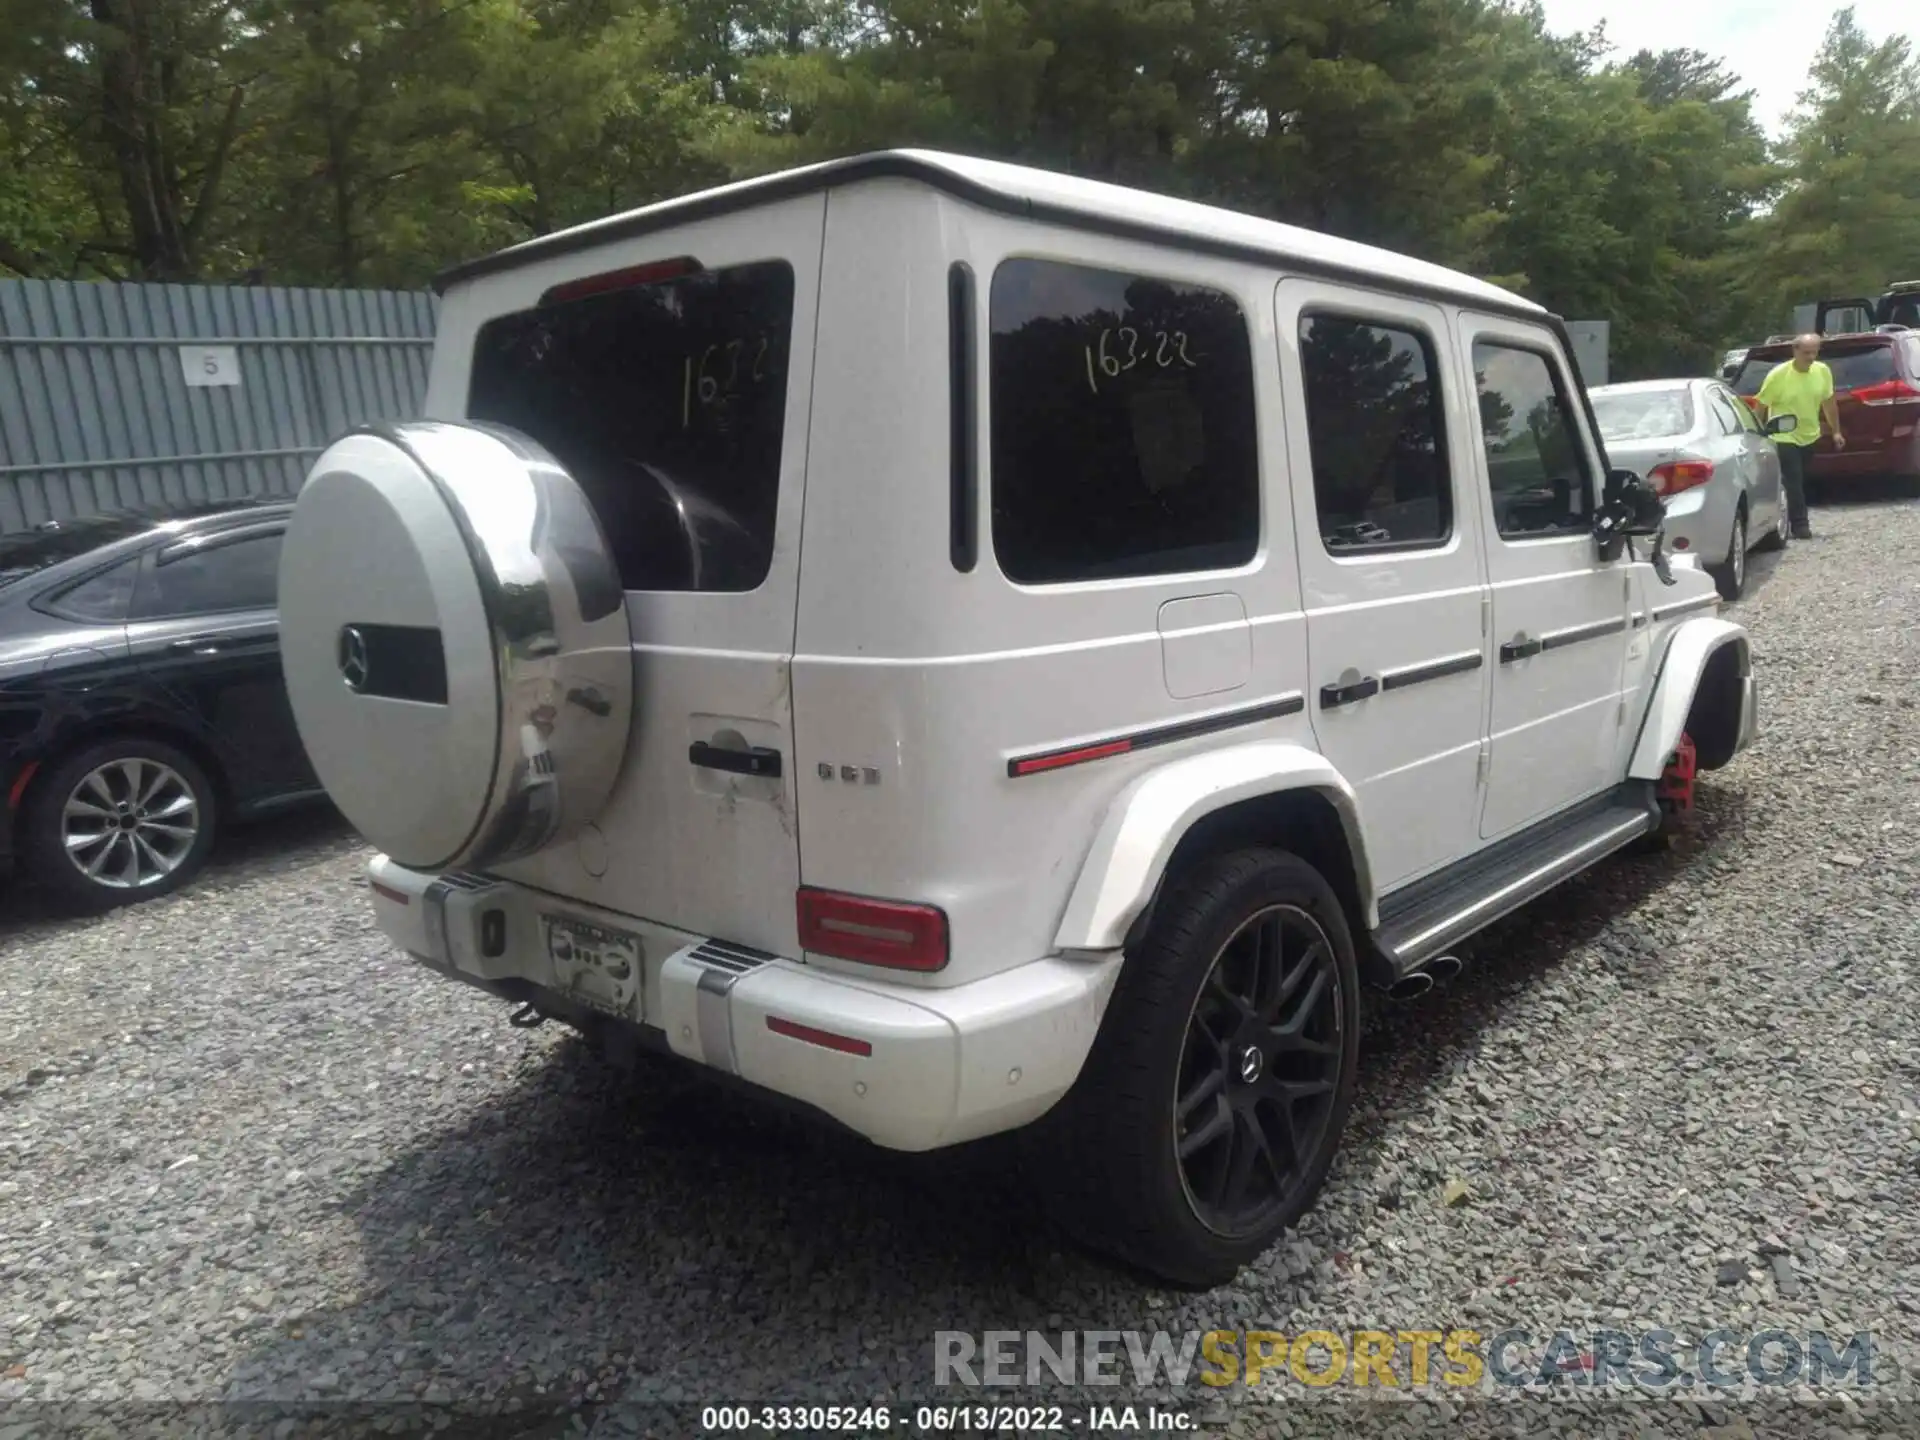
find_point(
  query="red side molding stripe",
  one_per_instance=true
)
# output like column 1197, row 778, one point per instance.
column 1034, row 764
column 1159, row 735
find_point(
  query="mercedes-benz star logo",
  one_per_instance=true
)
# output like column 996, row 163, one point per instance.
column 353, row 658
column 1250, row 1063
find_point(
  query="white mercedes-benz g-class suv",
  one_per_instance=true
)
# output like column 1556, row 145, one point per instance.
column 968, row 648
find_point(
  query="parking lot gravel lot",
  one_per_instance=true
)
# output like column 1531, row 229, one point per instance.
column 247, row 1151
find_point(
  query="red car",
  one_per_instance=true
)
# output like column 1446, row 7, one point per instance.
column 1876, row 384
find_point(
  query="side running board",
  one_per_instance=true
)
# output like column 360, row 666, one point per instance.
column 1430, row 916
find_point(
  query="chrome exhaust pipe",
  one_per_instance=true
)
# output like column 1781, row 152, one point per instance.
column 1443, row 968
column 1410, row 987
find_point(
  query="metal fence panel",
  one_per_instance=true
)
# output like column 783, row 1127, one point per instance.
column 96, row 412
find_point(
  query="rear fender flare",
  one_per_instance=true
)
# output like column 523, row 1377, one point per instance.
column 1146, row 821
column 1690, row 648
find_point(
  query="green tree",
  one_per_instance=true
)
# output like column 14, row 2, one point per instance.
column 1849, row 219
column 134, row 104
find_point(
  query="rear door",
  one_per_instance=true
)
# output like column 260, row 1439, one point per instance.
column 672, row 377
column 204, row 630
column 1391, row 570
column 1732, row 446
column 1560, row 613
column 1767, row 498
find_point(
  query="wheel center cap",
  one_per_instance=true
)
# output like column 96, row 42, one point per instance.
column 1251, row 1063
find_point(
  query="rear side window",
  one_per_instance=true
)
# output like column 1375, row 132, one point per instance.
column 1123, row 435
column 1725, row 406
column 1535, row 464
column 667, row 403
column 1375, row 431
column 239, row 575
column 99, row 599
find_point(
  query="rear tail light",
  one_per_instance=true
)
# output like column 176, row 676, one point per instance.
column 651, row 273
column 1888, row 392
column 1677, row 475
column 874, row 932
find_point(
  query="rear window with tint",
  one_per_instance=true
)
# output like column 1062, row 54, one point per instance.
column 1643, row 414
column 1868, row 365
column 667, row 403
column 1854, row 368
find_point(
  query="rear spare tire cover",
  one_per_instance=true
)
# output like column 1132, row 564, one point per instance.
column 455, row 642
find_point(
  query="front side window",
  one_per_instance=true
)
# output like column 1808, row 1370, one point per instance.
column 1375, row 431
column 239, row 575
column 1123, row 432
column 1536, row 465
column 667, row 402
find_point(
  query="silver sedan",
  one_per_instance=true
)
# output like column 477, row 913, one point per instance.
column 1703, row 451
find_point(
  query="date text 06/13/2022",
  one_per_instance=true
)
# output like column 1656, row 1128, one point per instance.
column 865, row 1420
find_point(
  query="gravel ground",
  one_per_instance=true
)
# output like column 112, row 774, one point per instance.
column 248, row 1152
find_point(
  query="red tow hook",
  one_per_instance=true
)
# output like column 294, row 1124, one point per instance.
column 1676, row 781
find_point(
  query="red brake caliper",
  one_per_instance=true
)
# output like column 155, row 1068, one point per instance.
column 1676, row 781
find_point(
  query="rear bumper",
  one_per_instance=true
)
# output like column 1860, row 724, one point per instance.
column 1703, row 519
column 1899, row 457
column 909, row 1067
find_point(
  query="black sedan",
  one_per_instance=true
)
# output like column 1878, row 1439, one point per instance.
column 141, row 700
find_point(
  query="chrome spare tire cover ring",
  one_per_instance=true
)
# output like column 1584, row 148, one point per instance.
column 130, row 823
column 455, row 642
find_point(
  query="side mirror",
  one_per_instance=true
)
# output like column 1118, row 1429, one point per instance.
column 1782, row 425
column 1631, row 507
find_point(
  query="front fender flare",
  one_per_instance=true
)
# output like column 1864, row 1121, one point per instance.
column 1146, row 820
column 1692, row 644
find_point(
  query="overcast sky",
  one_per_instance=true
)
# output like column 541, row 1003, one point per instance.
column 1768, row 43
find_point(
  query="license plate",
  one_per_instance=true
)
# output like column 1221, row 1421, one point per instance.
column 598, row 967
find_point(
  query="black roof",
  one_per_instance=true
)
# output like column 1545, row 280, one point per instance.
column 28, row 552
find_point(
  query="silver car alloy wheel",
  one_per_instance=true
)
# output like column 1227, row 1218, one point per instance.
column 1737, row 552
column 130, row 823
